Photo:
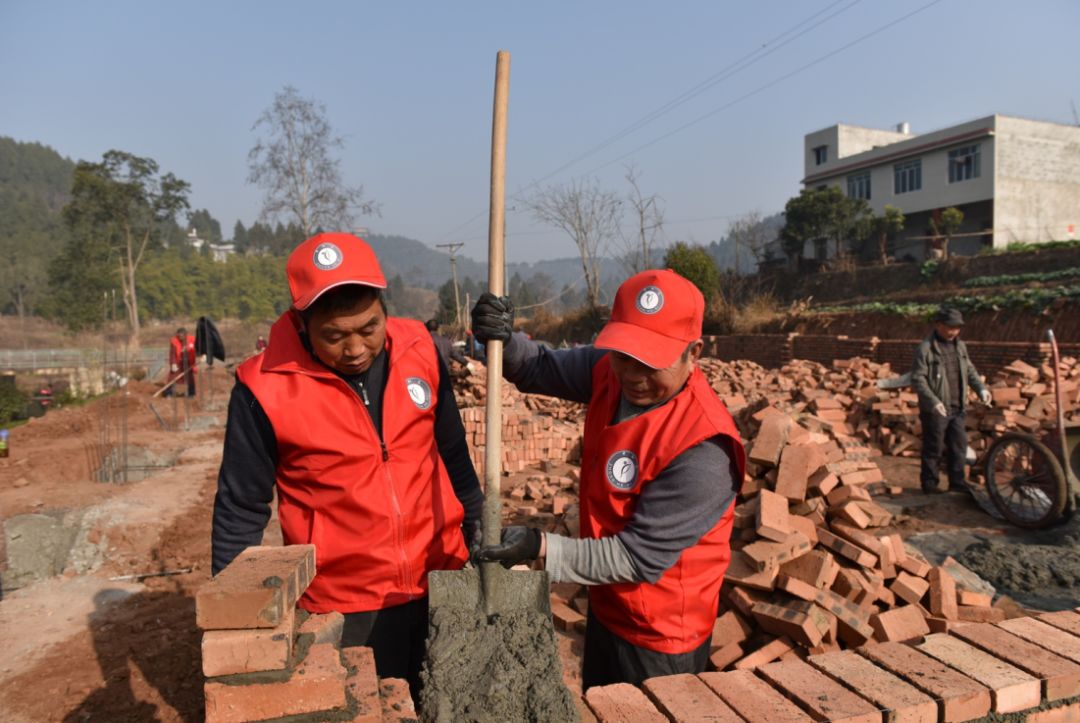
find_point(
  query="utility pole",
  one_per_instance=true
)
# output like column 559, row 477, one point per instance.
column 452, row 249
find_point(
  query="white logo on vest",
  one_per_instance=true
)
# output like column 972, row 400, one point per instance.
column 650, row 300
column 327, row 256
column 622, row 469
column 419, row 392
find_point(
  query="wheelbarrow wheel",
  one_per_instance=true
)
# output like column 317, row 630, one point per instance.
column 1025, row 481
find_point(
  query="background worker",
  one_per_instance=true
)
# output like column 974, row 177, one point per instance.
column 182, row 362
column 351, row 414
column 662, row 462
column 446, row 348
column 941, row 375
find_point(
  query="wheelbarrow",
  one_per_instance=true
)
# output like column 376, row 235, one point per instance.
column 1034, row 481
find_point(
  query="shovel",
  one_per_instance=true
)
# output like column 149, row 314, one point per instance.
column 491, row 651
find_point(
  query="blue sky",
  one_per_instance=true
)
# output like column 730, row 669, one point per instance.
column 409, row 86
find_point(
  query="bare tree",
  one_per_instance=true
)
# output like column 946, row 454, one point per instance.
column 589, row 215
column 295, row 166
column 648, row 224
column 750, row 232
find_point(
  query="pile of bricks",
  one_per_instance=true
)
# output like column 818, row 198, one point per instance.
column 810, row 573
column 263, row 659
column 1028, row 667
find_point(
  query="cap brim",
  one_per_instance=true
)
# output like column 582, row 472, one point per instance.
column 305, row 302
column 648, row 347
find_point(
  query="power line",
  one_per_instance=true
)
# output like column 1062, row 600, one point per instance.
column 721, row 75
column 770, row 84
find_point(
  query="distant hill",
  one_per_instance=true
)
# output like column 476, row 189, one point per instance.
column 35, row 182
column 423, row 266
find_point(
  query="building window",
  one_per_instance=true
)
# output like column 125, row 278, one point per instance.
column 821, row 155
column 964, row 163
column 907, row 176
column 858, row 186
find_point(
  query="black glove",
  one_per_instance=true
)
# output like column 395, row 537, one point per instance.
column 473, row 537
column 517, row 544
column 493, row 318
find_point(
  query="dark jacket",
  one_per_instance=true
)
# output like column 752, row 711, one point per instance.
column 928, row 376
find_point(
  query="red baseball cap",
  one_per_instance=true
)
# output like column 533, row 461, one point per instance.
column 328, row 260
column 655, row 316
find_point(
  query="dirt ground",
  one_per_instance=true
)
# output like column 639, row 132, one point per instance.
column 82, row 647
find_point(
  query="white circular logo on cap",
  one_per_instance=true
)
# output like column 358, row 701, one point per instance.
column 419, row 392
column 650, row 300
column 327, row 256
column 622, row 469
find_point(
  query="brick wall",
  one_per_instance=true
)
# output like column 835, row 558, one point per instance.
column 774, row 350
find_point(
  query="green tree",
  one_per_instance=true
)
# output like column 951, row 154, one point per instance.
column 696, row 264
column 124, row 203
column 296, row 167
column 240, row 237
column 822, row 215
column 946, row 224
column 208, row 227
column 883, row 228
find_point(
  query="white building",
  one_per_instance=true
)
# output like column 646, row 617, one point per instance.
column 1014, row 179
column 218, row 252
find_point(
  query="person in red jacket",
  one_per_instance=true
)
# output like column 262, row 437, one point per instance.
column 350, row 414
column 662, row 462
column 182, row 362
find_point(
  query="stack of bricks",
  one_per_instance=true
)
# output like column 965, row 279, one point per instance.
column 528, row 438
column 1027, row 668
column 811, row 570
column 263, row 659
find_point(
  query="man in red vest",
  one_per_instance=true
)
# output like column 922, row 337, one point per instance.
column 351, row 415
column 662, row 462
column 182, row 362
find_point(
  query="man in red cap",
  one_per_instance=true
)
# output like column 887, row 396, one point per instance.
column 662, row 462
column 351, row 415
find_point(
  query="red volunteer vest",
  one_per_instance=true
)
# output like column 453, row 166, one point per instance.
column 380, row 516
column 676, row 614
column 176, row 353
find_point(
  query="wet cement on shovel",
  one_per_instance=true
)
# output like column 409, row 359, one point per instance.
column 503, row 667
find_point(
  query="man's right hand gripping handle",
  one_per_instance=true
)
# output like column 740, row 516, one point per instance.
column 493, row 318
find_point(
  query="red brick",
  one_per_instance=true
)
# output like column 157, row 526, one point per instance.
column 396, row 701
column 959, row 698
column 325, row 628
column 902, row 623
column 909, row 588
column 943, row 593
column 822, row 482
column 720, row 658
column 686, row 698
column 1045, row 636
column 766, row 555
column 824, row 698
column 804, row 526
column 974, row 599
column 1061, row 677
column 801, row 621
column 228, row 652
column 742, row 599
column 979, row 614
column 1011, row 689
column 851, row 513
column 817, row 568
column 753, row 698
column 866, row 540
column 772, row 520
column 840, row 495
column 317, row 684
column 796, row 465
column 256, row 588
column 1066, row 620
column 742, row 571
column 564, row 616
column 765, row 654
column 730, row 628
column 770, row 440
column 1061, row 714
column 362, row 684
column 846, row 549
column 902, row 702
column 622, row 703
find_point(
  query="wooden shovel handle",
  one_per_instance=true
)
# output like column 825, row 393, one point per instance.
column 496, row 274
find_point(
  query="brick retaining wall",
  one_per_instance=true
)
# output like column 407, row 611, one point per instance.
column 772, row 351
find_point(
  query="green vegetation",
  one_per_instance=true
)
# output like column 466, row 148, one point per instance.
column 12, row 404
column 1022, row 247
column 1027, row 299
column 694, row 263
column 929, row 269
column 1007, row 279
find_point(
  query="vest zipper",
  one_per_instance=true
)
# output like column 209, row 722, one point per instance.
column 399, row 533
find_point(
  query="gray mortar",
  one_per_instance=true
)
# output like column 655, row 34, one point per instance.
column 37, row 546
column 492, row 668
column 1021, row 716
